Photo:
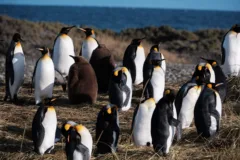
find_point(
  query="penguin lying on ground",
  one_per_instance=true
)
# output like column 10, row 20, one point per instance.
column 231, row 51
column 103, row 64
column 14, row 68
column 120, row 89
column 164, row 123
column 78, row 143
column 133, row 60
column 89, row 44
column 82, row 82
column 141, row 123
column 62, row 48
column 43, row 76
column 208, row 111
column 220, row 78
column 43, row 129
column 107, row 129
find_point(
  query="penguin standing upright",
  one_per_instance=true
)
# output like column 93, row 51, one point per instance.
column 43, row 76
column 163, row 123
column 133, row 60
column 188, row 95
column 107, row 129
column 153, row 55
column 220, row 78
column 208, row 111
column 82, row 82
column 231, row 51
column 154, row 88
column 14, row 68
column 89, row 44
column 141, row 124
column 103, row 64
column 63, row 47
column 120, row 89
column 43, row 129
column 78, row 143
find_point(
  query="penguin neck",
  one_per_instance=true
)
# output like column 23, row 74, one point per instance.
column 18, row 48
column 91, row 36
column 45, row 56
column 63, row 35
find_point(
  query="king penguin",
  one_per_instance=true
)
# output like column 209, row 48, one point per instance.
column 82, row 82
column 66, row 126
column 43, row 129
column 14, row 68
column 231, row 51
column 154, row 87
column 133, row 60
column 78, row 143
column 63, row 47
column 103, row 64
column 208, row 111
column 89, row 44
column 107, row 129
column 141, row 123
column 164, row 123
column 188, row 95
column 43, row 76
column 120, row 88
column 220, row 78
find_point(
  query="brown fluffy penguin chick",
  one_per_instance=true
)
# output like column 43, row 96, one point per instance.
column 103, row 64
column 82, row 82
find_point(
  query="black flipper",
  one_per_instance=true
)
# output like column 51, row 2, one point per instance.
column 38, row 130
column 128, row 60
column 84, row 150
column 34, row 72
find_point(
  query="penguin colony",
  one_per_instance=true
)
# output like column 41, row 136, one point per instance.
column 156, row 120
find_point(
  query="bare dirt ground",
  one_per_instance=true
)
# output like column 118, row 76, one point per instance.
column 16, row 121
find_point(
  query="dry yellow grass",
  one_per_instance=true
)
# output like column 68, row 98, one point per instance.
column 15, row 119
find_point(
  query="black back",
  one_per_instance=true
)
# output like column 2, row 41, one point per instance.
column 107, row 130
column 205, row 107
column 162, row 119
column 128, row 60
column 38, row 131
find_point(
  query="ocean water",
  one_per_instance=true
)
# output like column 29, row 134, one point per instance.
column 118, row 19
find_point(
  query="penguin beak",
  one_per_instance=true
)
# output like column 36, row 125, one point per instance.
column 71, row 27
column 204, row 59
column 40, row 49
column 68, row 139
column 82, row 29
column 72, row 56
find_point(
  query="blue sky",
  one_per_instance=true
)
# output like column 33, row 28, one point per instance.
column 179, row 4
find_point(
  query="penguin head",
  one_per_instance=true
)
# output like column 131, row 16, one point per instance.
column 65, row 30
column 17, row 37
column 88, row 32
column 155, row 48
column 202, row 73
column 213, row 85
column 119, row 76
column 110, row 113
column 66, row 126
column 169, row 94
column 137, row 41
column 44, row 50
column 236, row 28
column 212, row 62
column 157, row 62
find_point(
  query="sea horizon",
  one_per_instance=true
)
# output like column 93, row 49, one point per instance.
column 121, row 18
